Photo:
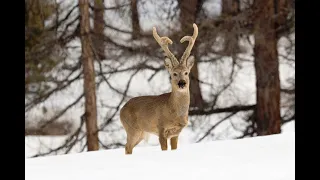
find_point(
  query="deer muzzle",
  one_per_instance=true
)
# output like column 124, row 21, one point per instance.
column 182, row 84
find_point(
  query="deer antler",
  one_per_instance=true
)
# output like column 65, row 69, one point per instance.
column 163, row 42
column 191, row 40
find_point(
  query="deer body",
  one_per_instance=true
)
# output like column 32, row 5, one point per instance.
column 151, row 113
column 164, row 115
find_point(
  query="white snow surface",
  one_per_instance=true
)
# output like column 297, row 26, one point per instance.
column 263, row 158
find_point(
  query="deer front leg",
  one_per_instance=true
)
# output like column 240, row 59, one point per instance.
column 163, row 140
column 174, row 142
column 163, row 143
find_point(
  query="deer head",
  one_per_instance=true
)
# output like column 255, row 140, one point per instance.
column 179, row 70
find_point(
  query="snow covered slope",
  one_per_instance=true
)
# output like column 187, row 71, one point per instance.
column 264, row 158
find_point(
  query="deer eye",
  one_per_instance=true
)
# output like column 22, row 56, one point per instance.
column 186, row 73
column 175, row 74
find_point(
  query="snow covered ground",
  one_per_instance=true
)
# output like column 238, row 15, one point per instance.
column 263, row 158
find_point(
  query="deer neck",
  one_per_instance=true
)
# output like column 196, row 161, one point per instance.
column 179, row 101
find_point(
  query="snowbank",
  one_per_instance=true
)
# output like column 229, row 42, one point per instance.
column 263, row 158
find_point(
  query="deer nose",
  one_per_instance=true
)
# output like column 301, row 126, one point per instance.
column 181, row 83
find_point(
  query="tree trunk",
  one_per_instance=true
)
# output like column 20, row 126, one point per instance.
column 89, row 77
column 98, row 29
column 230, row 7
column 188, row 13
column 135, row 19
column 267, row 70
column 282, row 9
column 231, row 43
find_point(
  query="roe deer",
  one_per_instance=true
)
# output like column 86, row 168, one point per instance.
column 164, row 115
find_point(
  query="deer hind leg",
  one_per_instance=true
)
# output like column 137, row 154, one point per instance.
column 134, row 134
column 134, row 137
column 174, row 142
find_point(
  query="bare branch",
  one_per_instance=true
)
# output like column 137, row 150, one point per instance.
column 209, row 131
column 222, row 110
column 110, row 8
column 69, row 142
column 61, row 112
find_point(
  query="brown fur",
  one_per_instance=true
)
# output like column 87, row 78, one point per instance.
column 164, row 115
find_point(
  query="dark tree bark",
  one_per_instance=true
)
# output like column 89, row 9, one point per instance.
column 230, row 8
column 135, row 19
column 282, row 9
column 188, row 13
column 98, row 28
column 267, row 69
column 89, row 78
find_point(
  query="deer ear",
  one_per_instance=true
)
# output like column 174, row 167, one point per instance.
column 168, row 64
column 190, row 62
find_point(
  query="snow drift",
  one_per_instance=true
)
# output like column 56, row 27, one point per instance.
column 264, row 158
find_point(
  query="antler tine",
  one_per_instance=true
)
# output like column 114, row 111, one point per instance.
column 191, row 40
column 163, row 42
